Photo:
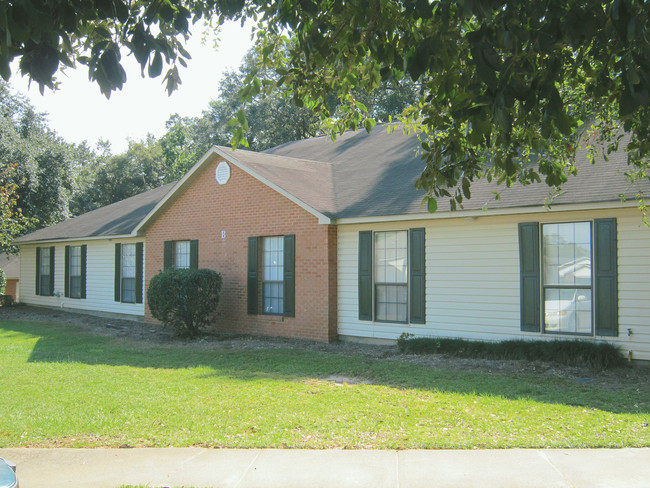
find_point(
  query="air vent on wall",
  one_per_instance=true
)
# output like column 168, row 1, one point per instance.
column 222, row 173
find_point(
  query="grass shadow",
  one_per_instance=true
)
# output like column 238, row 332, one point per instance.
column 70, row 343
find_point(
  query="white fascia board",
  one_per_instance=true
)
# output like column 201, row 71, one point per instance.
column 78, row 239
column 474, row 214
column 180, row 183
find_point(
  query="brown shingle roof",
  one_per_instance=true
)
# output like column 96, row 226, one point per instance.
column 374, row 175
column 117, row 219
column 358, row 175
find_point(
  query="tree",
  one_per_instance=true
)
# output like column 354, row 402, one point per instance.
column 510, row 87
column 40, row 162
column 12, row 221
column 122, row 176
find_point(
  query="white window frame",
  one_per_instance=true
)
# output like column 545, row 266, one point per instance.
column 126, row 270
column 382, row 267
column 572, row 298
column 273, row 275
column 74, row 277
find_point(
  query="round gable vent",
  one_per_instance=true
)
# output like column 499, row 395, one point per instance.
column 222, row 173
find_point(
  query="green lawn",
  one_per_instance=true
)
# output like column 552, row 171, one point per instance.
column 65, row 387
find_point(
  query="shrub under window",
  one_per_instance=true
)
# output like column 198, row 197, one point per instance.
column 184, row 299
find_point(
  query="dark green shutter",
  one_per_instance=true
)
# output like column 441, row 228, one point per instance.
column 118, row 272
column 38, row 270
column 252, row 275
column 139, row 271
column 52, row 271
column 167, row 254
column 194, row 254
column 365, row 275
column 605, row 278
column 84, row 254
column 66, row 286
column 289, row 276
column 417, row 276
column 529, row 268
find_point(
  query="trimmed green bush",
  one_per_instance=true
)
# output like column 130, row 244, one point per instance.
column 595, row 355
column 184, row 299
column 3, row 281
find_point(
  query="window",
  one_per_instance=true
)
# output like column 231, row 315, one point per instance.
column 276, row 263
column 569, row 277
column 181, row 254
column 392, row 276
column 273, row 275
column 45, row 271
column 75, row 271
column 129, row 272
column 566, row 277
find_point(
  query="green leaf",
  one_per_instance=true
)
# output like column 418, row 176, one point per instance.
column 155, row 68
column 432, row 204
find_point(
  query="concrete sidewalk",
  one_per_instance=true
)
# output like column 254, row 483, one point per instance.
column 275, row 468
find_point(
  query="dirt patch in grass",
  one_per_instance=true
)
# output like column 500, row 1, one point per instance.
column 634, row 375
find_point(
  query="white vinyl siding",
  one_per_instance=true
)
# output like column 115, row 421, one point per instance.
column 472, row 276
column 100, row 278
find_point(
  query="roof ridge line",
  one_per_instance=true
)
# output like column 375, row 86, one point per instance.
column 234, row 151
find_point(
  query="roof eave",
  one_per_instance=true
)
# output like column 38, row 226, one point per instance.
column 474, row 214
column 75, row 239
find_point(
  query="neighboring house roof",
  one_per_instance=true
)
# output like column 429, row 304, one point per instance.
column 10, row 264
column 117, row 219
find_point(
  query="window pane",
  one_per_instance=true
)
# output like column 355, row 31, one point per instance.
column 75, row 261
column 567, row 254
column 181, row 254
column 273, row 299
column 45, row 271
column 391, row 252
column 273, row 275
column 391, row 303
column 128, row 260
column 273, row 259
column 128, row 290
column 45, row 285
column 45, row 261
column 567, row 310
column 75, row 287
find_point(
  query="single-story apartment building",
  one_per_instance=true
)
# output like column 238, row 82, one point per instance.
column 322, row 240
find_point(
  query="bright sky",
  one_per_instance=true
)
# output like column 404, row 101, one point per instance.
column 78, row 111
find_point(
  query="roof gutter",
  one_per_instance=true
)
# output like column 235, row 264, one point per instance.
column 76, row 239
column 473, row 214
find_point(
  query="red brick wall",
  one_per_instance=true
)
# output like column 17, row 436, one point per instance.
column 12, row 288
column 244, row 207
